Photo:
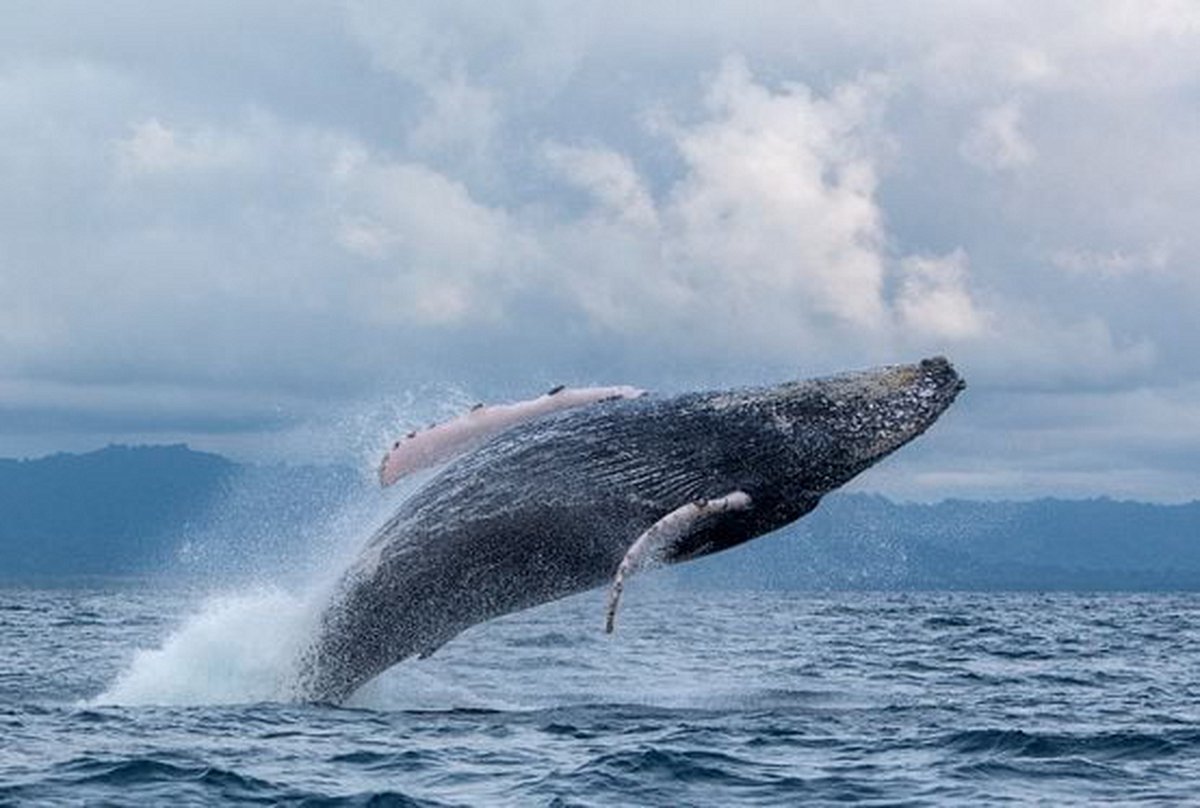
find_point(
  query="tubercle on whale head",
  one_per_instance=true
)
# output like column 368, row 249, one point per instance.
column 866, row 415
column 837, row 426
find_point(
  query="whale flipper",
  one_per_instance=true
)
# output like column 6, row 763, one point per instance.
column 655, row 545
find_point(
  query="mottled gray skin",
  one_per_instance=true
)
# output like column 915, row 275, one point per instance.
column 549, row 508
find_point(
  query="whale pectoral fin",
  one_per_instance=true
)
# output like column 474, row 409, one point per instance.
column 656, row 543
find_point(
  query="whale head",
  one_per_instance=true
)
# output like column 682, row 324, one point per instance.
column 788, row 445
column 849, row 422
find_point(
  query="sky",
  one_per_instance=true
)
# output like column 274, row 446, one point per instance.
column 287, row 231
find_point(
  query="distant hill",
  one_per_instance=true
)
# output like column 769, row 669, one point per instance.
column 136, row 510
column 127, row 510
column 860, row 541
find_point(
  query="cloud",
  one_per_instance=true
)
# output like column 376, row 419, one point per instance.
column 431, row 254
column 779, row 198
column 524, row 51
column 327, row 204
column 772, row 235
column 154, row 148
column 996, row 142
column 459, row 124
column 1136, row 443
column 1035, row 349
column 934, row 299
column 611, row 179
column 771, row 232
column 1112, row 263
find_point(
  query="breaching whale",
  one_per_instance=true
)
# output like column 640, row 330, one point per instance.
column 580, row 497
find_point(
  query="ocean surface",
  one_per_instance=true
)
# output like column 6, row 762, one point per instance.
column 138, row 694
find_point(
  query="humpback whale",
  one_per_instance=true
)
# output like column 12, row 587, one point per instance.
column 575, row 498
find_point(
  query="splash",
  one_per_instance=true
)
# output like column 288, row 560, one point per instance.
column 238, row 648
column 243, row 645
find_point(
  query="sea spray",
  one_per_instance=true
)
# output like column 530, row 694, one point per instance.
column 242, row 644
column 268, row 582
column 238, row 648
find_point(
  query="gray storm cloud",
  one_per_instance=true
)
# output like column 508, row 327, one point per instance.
column 228, row 237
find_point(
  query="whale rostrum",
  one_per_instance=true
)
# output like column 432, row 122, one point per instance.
column 569, row 499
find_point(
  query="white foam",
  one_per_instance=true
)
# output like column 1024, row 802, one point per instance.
column 243, row 646
column 236, row 649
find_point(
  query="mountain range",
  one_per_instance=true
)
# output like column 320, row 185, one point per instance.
column 135, row 511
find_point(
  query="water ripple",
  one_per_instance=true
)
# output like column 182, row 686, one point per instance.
column 758, row 699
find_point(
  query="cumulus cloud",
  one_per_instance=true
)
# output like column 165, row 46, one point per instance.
column 435, row 256
column 770, row 233
column 779, row 199
column 934, row 299
column 611, row 179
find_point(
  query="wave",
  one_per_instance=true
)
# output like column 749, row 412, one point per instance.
column 1101, row 746
column 176, row 780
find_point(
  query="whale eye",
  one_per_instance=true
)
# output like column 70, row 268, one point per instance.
column 396, row 445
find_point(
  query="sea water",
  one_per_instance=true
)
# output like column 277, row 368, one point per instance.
column 138, row 695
